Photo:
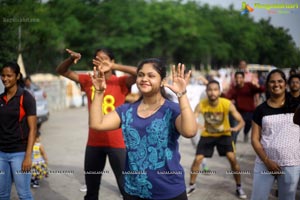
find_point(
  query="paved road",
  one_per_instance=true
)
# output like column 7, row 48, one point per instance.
column 64, row 137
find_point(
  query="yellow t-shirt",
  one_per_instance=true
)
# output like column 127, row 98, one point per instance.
column 216, row 119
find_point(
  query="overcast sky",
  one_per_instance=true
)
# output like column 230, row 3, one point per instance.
column 289, row 21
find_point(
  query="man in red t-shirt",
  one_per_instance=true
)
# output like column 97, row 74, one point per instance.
column 102, row 143
column 243, row 94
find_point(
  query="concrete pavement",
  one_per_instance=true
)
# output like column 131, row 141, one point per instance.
column 64, row 137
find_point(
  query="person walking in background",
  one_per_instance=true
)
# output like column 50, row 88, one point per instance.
column 249, row 76
column 101, row 144
column 39, row 162
column 217, row 132
column 151, row 128
column 27, row 85
column 275, row 139
column 17, row 133
column 243, row 94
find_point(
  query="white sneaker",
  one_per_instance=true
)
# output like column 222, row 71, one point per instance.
column 191, row 189
column 83, row 188
column 241, row 194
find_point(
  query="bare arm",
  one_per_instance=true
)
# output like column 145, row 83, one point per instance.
column 185, row 122
column 258, row 148
column 197, row 113
column 43, row 153
column 237, row 116
column 32, row 121
column 97, row 120
column 124, row 68
column 64, row 67
column 129, row 70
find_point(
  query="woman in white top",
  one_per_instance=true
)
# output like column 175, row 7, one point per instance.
column 275, row 139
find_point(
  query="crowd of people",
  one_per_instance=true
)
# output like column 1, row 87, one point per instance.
column 139, row 132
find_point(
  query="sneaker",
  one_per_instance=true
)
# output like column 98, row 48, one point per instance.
column 36, row 184
column 83, row 188
column 191, row 189
column 240, row 193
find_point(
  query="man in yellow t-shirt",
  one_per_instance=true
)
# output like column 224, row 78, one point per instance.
column 217, row 132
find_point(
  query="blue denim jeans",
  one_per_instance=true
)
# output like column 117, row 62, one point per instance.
column 10, row 168
column 263, row 182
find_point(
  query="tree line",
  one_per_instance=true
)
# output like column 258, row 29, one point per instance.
column 176, row 31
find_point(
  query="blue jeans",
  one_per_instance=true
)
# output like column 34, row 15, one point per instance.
column 10, row 168
column 263, row 182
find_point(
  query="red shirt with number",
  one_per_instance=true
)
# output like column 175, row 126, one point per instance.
column 114, row 96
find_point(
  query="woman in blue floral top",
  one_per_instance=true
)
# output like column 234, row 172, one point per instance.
column 151, row 127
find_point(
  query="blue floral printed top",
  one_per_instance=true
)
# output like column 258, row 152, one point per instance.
column 153, row 169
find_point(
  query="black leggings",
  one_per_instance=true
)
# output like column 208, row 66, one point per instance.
column 182, row 196
column 94, row 163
